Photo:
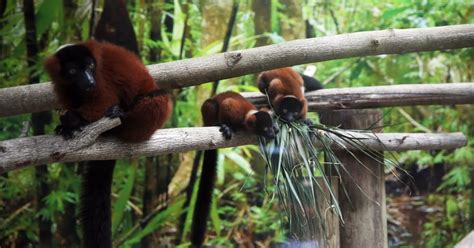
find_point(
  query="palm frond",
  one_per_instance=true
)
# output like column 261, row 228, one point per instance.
column 303, row 184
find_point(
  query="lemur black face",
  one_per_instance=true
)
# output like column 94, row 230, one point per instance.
column 264, row 125
column 289, row 108
column 78, row 66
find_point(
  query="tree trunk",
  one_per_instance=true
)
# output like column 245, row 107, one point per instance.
column 3, row 7
column 150, row 197
column 155, row 13
column 67, row 233
column 39, row 121
column 471, row 205
column 214, row 14
column 293, row 26
column 169, row 21
column 228, row 35
column 262, row 20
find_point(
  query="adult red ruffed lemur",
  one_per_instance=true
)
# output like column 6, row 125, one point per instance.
column 285, row 89
column 231, row 112
column 93, row 80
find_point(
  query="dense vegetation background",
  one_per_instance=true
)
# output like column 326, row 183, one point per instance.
column 149, row 192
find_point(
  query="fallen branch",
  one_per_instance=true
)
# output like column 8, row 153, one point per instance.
column 196, row 71
column 23, row 152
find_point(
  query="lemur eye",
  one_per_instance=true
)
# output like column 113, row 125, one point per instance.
column 296, row 112
column 265, row 129
column 285, row 111
column 91, row 66
column 72, row 71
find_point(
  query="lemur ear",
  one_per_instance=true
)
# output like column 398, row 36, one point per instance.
column 52, row 66
column 266, row 109
column 262, row 82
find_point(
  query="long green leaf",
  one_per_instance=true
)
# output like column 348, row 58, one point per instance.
column 156, row 222
column 123, row 197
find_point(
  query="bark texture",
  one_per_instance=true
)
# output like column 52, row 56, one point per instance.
column 23, row 152
column 196, row 71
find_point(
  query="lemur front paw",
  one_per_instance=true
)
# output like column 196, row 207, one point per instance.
column 226, row 131
column 114, row 112
column 67, row 133
column 70, row 121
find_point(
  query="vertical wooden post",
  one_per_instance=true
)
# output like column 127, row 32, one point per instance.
column 311, row 234
column 365, row 212
column 329, row 217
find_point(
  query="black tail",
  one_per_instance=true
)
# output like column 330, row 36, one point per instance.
column 311, row 83
column 95, row 204
column 204, row 198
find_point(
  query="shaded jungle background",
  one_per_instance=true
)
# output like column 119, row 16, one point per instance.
column 38, row 205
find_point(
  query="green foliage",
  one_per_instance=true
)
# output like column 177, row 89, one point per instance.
column 49, row 12
column 123, row 197
column 447, row 227
column 156, row 222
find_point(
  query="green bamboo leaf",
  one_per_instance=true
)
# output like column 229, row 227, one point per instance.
column 390, row 13
column 216, row 221
column 156, row 222
column 240, row 161
column 123, row 197
column 190, row 211
column 48, row 12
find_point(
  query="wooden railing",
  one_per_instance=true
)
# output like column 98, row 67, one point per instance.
column 29, row 151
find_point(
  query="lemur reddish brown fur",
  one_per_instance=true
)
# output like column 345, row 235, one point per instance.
column 231, row 112
column 121, row 80
column 93, row 80
column 234, row 111
column 285, row 89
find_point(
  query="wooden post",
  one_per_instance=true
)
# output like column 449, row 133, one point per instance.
column 311, row 234
column 329, row 217
column 364, row 213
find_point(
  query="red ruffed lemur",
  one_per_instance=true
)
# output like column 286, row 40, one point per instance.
column 285, row 89
column 92, row 80
column 231, row 112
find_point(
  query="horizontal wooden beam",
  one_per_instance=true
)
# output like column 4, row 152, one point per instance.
column 326, row 99
column 23, row 152
column 383, row 96
column 188, row 72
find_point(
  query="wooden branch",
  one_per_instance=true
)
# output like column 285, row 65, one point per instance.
column 23, row 152
column 383, row 96
column 340, row 98
column 27, row 99
column 237, row 63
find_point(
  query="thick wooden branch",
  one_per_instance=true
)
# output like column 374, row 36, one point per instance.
column 237, row 63
column 340, row 98
column 383, row 96
column 23, row 152
column 27, row 99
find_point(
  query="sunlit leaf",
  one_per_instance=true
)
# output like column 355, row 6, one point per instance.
column 48, row 12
